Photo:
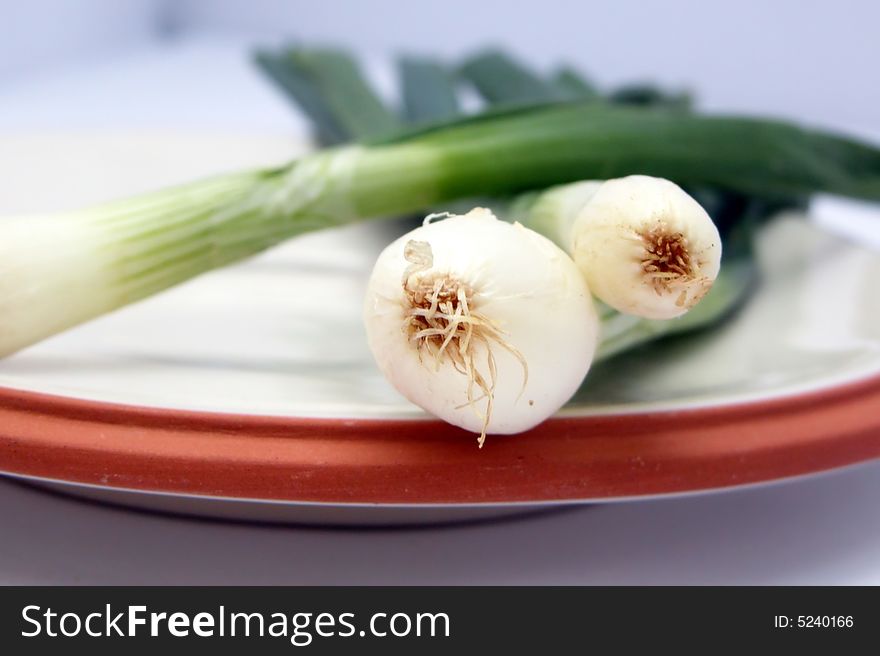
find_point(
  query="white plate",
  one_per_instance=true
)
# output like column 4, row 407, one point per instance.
column 261, row 338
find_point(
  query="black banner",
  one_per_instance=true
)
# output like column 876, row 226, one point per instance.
column 430, row 620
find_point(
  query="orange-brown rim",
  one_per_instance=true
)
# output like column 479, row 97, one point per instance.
column 414, row 461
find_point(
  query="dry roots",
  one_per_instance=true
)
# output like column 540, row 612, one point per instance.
column 441, row 321
column 667, row 264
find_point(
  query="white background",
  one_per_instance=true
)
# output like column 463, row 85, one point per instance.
column 815, row 60
column 146, row 64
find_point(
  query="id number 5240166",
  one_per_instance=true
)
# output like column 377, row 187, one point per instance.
column 813, row 621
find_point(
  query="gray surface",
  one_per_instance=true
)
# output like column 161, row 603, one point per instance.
column 821, row 531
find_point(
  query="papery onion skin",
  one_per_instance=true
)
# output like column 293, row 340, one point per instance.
column 525, row 285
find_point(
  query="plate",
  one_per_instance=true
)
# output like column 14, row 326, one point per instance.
column 250, row 392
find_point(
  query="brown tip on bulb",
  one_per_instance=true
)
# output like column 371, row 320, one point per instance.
column 442, row 323
column 668, row 266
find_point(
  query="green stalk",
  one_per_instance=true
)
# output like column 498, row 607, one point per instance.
column 329, row 86
column 428, row 90
column 500, row 79
column 327, row 127
column 503, row 152
column 573, row 85
column 62, row 270
column 646, row 95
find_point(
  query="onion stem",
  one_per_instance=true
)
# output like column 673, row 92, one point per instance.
column 58, row 271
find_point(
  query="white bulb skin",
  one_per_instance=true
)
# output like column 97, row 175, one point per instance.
column 615, row 232
column 54, row 274
column 521, row 281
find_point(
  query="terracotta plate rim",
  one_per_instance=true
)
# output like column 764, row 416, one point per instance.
column 543, row 503
column 409, row 462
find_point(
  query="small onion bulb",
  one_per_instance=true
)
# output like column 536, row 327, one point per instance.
column 645, row 246
column 483, row 323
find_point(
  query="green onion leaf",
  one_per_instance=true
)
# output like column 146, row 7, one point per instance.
column 648, row 95
column 428, row 90
column 331, row 89
column 326, row 126
column 500, row 79
column 572, row 85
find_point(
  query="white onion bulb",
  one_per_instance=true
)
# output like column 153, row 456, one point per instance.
column 485, row 324
column 645, row 246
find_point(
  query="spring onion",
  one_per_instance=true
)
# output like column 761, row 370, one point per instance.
column 62, row 270
column 644, row 245
column 483, row 323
